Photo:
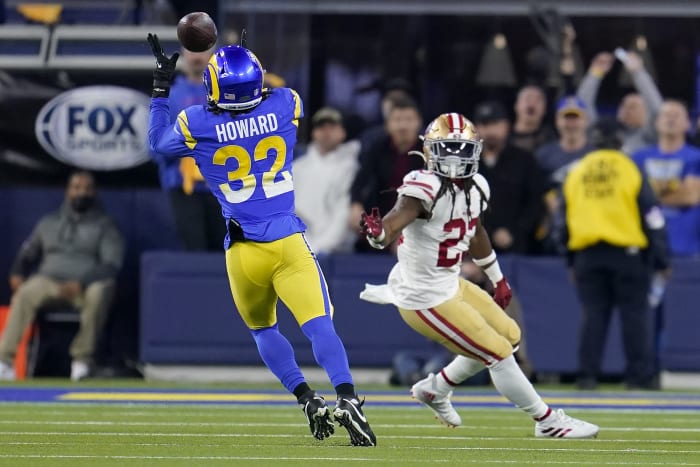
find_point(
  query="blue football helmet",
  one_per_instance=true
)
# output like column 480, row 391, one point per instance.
column 234, row 78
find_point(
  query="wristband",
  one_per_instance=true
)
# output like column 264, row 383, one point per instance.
column 376, row 243
column 380, row 237
column 485, row 260
column 494, row 270
column 494, row 273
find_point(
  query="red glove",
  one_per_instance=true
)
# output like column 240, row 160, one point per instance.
column 502, row 293
column 371, row 224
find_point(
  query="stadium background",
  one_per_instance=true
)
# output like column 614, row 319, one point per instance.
column 438, row 46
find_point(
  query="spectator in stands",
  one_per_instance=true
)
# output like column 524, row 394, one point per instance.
column 616, row 235
column 197, row 213
column 555, row 159
column 322, row 182
column 516, row 185
column 673, row 169
column 384, row 163
column 637, row 111
column 393, row 90
column 529, row 130
column 77, row 251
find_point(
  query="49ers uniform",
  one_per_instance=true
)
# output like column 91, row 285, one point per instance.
column 425, row 284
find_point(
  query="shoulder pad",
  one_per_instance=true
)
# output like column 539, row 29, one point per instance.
column 420, row 184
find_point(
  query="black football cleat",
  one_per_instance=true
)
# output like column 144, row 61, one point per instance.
column 317, row 414
column 348, row 412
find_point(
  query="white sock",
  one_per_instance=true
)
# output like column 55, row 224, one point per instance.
column 512, row 383
column 457, row 371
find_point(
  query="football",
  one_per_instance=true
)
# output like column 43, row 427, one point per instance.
column 196, row 32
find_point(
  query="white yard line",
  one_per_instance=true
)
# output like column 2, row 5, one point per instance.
column 432, row 426
column 340, row 459
column 284, row 435
column 426, row 448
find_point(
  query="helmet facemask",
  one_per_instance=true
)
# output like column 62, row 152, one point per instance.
column 453, row 157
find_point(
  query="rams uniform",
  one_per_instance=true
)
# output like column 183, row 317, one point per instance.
column 246, row 160
column 425, row 284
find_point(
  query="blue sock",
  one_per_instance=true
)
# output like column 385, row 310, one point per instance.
column 328, row 349
column 278, row 355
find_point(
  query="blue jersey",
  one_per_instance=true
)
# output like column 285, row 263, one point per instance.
column 246, row 159
column 183, row 94
column 666, row 172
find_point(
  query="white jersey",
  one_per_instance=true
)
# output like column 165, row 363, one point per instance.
column 430, row 250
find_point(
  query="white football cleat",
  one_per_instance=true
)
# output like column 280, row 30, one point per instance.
column 79, row 370
column 7, row 372
column 560, row 425
column 427, row 393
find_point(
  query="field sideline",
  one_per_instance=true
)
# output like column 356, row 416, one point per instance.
column 136, row 423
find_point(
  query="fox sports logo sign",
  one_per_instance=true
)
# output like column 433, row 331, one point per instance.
column 96, row 127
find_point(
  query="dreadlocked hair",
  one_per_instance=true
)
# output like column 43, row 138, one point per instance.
column 448, row 185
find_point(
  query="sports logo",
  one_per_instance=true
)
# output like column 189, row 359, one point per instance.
column 96, row 127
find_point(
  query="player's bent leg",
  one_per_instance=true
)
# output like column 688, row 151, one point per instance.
column 493, row 314
column 460, row 328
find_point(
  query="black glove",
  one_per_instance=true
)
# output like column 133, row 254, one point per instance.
column 165, row 68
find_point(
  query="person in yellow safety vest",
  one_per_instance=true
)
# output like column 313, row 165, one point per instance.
column 616, row 238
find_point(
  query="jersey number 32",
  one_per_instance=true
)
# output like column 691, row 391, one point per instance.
column 246, row 181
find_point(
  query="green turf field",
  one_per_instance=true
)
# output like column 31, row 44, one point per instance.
column 69, row 434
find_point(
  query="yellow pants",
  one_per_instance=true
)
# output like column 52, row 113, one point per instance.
column 469, row 324
column 260, row 273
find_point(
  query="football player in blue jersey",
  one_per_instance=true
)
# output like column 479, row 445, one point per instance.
column 242, row 141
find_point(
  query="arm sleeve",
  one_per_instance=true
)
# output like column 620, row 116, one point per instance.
column 111, row 255
column 29, row 254
column 654, row 226
column 588, row 93
column 165, row 138
column 298, row 105
column 646, row 87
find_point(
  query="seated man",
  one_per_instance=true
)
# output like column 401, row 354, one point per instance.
column 78, row 252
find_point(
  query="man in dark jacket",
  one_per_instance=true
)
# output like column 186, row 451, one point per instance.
column 516, row 207
column 384, row 162
column 77, row 252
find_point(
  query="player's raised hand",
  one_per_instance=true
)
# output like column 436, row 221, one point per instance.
column 502, row 293
column 371, row 224
column 372, row 228
column 165, row 67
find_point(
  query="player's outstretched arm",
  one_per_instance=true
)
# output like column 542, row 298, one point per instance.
column 380, row 231
column 484, row 257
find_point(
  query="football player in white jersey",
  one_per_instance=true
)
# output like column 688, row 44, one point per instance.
column 436, row 221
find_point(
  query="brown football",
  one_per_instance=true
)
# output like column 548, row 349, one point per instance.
column 196, row 31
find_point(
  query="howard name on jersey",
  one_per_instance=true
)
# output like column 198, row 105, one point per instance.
column 430, row 252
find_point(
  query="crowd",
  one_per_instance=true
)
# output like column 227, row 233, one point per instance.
column 525, row 160
column 529, row 148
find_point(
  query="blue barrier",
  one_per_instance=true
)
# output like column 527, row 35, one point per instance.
column 178, row 325
column 188, row 316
